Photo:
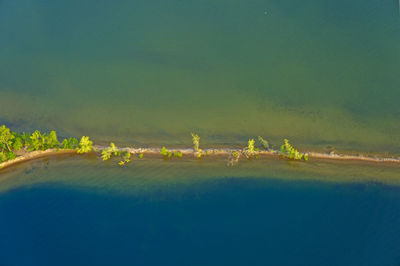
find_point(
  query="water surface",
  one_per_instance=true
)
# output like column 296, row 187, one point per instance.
column 83, row 212
column 150, row 72
column 320, row 72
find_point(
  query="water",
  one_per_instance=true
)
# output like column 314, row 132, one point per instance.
column 83, row 212
column 138, row 72
column 319, row 72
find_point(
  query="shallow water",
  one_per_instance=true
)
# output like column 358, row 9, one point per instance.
column 150, row 72
column 319, row 72
column 81, row 211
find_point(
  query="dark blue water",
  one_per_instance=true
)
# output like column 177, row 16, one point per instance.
column 220, row 222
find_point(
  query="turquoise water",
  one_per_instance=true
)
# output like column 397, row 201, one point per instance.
column 150, row 72
column 69, row 212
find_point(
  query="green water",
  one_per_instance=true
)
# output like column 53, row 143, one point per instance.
column 319, row 72
column 150, row 72
column 153, row 174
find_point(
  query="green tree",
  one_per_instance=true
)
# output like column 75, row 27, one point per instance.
column 38, row 141
column 11, row 155
column 3, row 157
column 52, row 140
column 26, row 139
column 5, row 138
column 17, row 144
column 65, row 144
column 85, row 145
column 70, row 143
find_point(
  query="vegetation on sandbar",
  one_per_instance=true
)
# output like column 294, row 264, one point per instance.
column 289, row 152
column 264, row 143
column 113, row 150
column 13, row 142
column 196, row 142
column 196, row 146
column 85, row 145
column 168, row 154
column 249, row 151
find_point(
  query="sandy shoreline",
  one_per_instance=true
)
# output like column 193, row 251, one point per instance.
column 35, row 155
column 207, row 152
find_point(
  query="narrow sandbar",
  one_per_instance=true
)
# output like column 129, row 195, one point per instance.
column 27, row 156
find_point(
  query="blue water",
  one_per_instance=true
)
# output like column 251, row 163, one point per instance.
column 219, row 222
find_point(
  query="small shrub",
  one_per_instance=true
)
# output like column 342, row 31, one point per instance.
column 3, row 157
column 114, row 149
column 18, row 144
column 288, row 151
column 127, row 156
column 11, row 155
column 166, row 153
column 196, row 142
column 105, row 155
column 70, row 143
column 263, row 142
column 249, row 150
column 234, row 158
column 178, row 154
column 199, row 154
column 107, row 152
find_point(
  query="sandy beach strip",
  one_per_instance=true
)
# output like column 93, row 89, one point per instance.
column 36, row 155
column 188, row 151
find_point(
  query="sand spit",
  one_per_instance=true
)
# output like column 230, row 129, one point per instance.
column 206, row 152
column 28, row 156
